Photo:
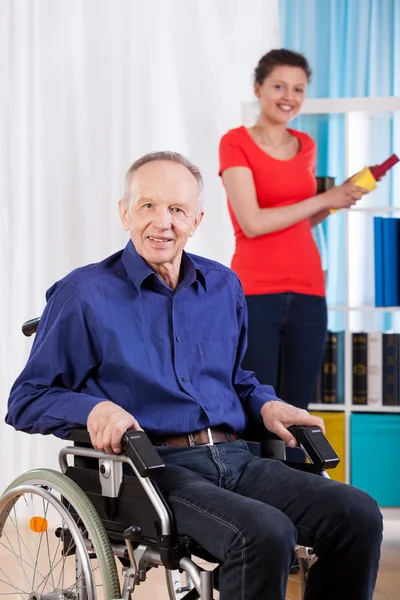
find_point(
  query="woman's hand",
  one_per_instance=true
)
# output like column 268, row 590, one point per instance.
column 343, row 196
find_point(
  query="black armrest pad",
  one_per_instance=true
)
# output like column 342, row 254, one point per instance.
column 80, row 435
column 136, row 446
column 313, row 441
column 30, row 327
column 142, row 453
column 316, row 446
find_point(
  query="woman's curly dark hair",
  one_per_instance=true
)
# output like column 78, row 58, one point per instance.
column 278, row 58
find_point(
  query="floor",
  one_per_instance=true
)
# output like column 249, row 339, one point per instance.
column 388, row 585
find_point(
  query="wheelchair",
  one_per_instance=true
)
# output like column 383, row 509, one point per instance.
column 94, row 530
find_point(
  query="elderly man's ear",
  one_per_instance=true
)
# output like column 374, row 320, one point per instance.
column 123, row 213
column 196, row 223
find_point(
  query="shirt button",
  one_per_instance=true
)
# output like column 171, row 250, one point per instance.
column 206, row 408
column 184, row 379
column 178, row 338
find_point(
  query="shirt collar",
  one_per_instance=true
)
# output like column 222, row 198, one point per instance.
column 138, row 270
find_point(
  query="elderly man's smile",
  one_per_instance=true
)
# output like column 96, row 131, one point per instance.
column 160, row 242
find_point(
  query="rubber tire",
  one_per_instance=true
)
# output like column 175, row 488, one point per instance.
column 90, row 518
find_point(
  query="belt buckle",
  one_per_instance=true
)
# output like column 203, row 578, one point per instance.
column 192, row 441
column 210, row 439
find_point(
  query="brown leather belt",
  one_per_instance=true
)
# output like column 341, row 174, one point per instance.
column 211, row 435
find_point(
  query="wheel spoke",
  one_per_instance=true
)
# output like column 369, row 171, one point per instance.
column 19, row 544
column 17, row 557
column 38, row 562
column 45, row 508
column 46, row 578
column 10, row 583
column 17, row 532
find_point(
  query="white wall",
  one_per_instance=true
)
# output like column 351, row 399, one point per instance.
column 88, row 86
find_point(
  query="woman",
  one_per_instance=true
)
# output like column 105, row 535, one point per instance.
column 269, row 175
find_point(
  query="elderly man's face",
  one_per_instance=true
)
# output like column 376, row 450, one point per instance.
column 161, row 213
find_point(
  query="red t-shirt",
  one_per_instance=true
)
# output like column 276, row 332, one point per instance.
column 286, row 260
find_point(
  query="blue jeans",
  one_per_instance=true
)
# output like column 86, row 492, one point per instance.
column 250, row 512
column 286, row 343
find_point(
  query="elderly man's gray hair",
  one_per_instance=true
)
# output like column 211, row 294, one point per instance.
column 170, row 156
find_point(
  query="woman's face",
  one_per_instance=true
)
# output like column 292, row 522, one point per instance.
column 282, row 93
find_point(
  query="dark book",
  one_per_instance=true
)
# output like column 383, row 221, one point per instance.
column 324, row 184
column 360, row 355
column 390, row 369
column 332, row 384
column 340, row 366
column 318, row 390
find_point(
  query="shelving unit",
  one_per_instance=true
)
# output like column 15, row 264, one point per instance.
column 354, row 111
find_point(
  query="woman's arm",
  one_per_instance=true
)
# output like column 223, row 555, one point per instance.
column 256, row 221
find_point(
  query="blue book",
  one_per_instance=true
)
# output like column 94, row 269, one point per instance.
column 378, row 256
column 390, row 262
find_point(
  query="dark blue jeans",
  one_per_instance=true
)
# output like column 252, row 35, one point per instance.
column 286, row 343
column 250, row 512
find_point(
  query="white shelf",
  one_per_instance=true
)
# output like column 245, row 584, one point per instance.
column 327, row 407
column 327, row 106
column 372, row 209
column 374, row 409
column 364, row 308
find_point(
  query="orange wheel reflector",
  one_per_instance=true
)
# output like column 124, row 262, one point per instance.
column 38, row 524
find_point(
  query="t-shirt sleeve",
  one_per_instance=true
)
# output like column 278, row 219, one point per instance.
column 231, row 154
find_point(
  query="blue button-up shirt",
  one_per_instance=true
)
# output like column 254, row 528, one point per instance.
column 114, row 331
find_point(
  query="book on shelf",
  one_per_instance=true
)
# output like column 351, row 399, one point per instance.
column 386, row 261
column 330, row 382
column 374, row 369
column 332, row 376
column 390, row 369
column 378, row 261
column 359, row 380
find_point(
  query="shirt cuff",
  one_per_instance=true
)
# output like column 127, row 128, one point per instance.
column 257, row 401
column 79, row 413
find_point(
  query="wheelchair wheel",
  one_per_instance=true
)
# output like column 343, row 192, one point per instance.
column 53, row 545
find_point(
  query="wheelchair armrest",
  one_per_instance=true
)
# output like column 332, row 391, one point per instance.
column 136, row 446
column 316, row 446
column 310, row 439
column 79, row 435
column 142, row 453
column 30, row 327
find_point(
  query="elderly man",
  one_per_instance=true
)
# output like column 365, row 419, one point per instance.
column 153, row 338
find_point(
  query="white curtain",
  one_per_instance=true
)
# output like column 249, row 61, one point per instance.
column 88, row 86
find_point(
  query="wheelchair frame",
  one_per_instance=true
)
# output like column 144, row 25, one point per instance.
column 152, row 540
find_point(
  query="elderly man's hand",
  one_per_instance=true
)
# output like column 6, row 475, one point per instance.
column 107, row 423
column 277, row 416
